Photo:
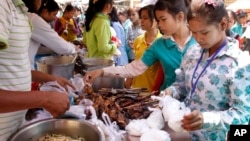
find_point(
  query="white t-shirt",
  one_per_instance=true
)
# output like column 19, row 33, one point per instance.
column 43, row 34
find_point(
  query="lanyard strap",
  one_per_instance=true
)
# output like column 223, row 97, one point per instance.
column 194, row 84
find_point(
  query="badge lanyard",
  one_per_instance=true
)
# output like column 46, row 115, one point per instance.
column 194, row 84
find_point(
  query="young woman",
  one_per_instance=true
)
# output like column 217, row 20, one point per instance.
column 216, row 75
column 66, row 26
column 134, row 30
column 97, row 34
column 168, row 50
column 143, row 42
column 43, row 34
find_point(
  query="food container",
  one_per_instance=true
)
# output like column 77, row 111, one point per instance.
column 114, row 82
column 57, row 65
column 95, row 63
column 69, row 127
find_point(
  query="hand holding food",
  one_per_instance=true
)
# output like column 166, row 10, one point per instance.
column 56, row 103
column 91, row 75
column 192, row 121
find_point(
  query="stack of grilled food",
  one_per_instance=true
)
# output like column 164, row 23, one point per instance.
column 121, row 104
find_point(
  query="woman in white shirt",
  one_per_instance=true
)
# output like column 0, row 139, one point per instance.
column 43, row 34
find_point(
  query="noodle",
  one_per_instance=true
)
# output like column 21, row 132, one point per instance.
column 59, row 137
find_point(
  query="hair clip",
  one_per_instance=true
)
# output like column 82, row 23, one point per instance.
column 210, row 2
column 94, row 1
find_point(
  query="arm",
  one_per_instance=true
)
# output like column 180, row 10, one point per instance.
column 76, row 29
column 239, row 103
column 43, row 34
column 41, row 77
column 130, row 36
column 135, row 68
column 54, row 102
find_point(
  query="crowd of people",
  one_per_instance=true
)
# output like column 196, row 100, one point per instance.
column 199, row 37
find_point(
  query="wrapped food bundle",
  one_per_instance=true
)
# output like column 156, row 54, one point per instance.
column 173, row 111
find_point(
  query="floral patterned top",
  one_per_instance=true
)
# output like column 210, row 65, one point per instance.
column 223, row 90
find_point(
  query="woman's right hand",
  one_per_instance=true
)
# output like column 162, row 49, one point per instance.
column 56, row 103
column 91, row 75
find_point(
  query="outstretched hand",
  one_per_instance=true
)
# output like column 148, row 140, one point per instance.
column 91, row 75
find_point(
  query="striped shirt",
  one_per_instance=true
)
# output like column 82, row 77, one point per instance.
column 15, row 71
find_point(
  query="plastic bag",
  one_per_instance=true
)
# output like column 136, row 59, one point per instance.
column 155, row 119
column 155, row 135
column 173, row 111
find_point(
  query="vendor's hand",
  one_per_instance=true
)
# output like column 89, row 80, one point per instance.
column 91, row 75
column 64, row 82
column 55, row 103
column 192, row 121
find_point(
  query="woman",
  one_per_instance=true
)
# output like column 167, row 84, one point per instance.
column 134, row 30
column 97, row 34
column 168, row 50
column 120, row 34
column 143, row 42
column 216, row 75
column 42, row 33
column 66, row 26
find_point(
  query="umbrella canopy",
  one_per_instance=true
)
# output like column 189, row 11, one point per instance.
column 239, row 4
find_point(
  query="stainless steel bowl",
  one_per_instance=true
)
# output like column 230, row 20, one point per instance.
column 95, row 63
column 57, row 65
column 114, row 82
column 68, row 127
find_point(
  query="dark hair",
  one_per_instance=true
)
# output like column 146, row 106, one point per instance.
column 50, row 5
column 30, row 5
column 212, row 12
column 233, row 14
column 95, row 6
column 113, row 15
column 123, row 11
column 149, row 9
column 241, row 13
column 69, row 8
column 172, row 6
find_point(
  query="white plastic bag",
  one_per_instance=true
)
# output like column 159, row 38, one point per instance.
column 155, row 135
column 136, row 127
column 155, row 119
column 173, row 111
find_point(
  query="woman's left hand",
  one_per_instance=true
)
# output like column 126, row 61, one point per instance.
column 192, row 121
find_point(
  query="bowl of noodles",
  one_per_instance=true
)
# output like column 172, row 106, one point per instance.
column 59, row 130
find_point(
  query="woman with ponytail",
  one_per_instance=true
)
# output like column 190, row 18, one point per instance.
column 97, row 34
